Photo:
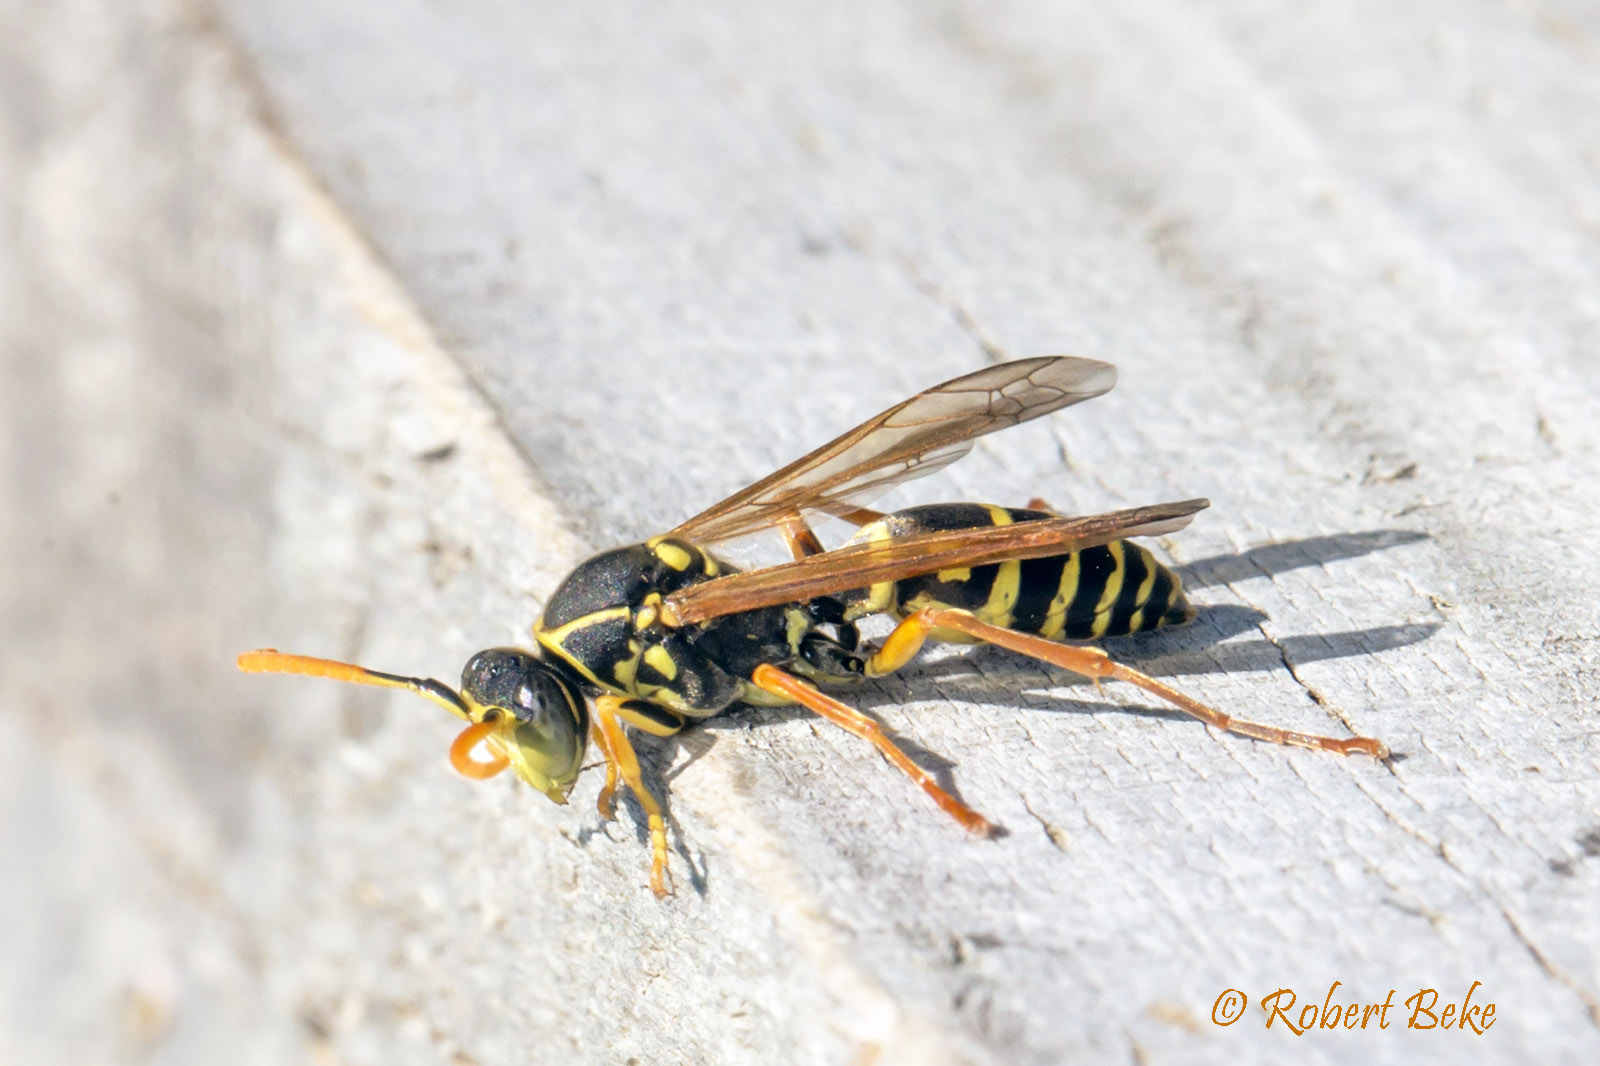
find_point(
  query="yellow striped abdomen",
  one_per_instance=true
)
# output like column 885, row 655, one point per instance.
column 1109, row 591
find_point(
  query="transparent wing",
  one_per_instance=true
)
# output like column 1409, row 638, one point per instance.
column 910, row 440
column 858, row 565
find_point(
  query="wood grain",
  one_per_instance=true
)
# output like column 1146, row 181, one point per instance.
column 347, row 330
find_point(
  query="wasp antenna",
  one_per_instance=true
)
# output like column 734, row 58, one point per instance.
column 461, row 752
column 272, row 661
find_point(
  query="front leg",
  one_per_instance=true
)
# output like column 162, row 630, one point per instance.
column 606, row 802
column 612, row 740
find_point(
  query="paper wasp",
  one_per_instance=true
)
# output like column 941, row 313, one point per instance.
column 656, row 634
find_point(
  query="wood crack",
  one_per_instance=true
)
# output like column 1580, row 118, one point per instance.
column 1438, row 847
column 991, row 348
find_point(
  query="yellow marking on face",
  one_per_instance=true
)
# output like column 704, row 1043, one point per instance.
column 673, row 555
column 660, row 660
column 1108, row 597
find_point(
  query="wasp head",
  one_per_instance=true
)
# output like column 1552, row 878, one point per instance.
column 536, row 718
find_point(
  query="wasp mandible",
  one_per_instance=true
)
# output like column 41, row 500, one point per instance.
column 655, row 635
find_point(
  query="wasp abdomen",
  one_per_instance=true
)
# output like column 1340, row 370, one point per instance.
column 1108, row 591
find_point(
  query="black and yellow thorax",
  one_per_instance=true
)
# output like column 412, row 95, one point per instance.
column 604, row 622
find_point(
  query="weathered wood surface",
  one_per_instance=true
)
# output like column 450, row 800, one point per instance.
column 349, row 329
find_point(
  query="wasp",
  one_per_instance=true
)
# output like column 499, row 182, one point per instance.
column 655, row 635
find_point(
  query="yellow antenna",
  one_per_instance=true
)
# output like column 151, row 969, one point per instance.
column 272, row 661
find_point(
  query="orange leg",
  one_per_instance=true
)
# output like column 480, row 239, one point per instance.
column 775, row 681
column 618, row 751
column 803, row 543
column 909, row 635
column 606, row 802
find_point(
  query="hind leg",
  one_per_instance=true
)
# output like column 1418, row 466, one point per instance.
column 909, row 636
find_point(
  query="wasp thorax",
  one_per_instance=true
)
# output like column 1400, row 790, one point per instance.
column 546, row 719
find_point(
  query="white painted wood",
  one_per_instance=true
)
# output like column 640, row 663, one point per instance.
column 267, row 259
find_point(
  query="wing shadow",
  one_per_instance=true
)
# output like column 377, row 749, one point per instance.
column 1266, row 560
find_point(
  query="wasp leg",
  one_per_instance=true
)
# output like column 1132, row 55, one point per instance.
column 1039, row 503
column 618, row 751
column 803, row 542
column 606, row 802
column 913, row 630
column 644, row 715
column 775, row 681
column 649, row 717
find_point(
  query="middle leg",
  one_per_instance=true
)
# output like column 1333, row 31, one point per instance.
column 779, row 683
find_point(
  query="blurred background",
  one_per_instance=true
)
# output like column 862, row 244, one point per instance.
column 349, row 328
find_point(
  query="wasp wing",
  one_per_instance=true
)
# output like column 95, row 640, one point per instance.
column 910, row 440
column 859, row 565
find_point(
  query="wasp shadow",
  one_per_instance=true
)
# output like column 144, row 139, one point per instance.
column 986, row 674
column 1265, row 560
